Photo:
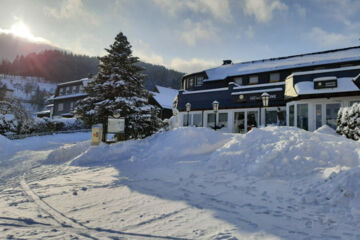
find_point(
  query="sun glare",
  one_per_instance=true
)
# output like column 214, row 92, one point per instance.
column 21, row 30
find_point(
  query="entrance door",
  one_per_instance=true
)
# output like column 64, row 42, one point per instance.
column 239, row 122
column 252, row 120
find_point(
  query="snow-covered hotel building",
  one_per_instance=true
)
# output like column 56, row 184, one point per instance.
column 305, row 90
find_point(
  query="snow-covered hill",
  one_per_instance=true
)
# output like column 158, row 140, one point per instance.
column 25, row 88
column 188, row 183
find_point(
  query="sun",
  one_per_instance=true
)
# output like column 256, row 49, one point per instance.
column 20, row 29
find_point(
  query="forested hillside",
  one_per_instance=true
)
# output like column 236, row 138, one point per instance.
column 60, row 66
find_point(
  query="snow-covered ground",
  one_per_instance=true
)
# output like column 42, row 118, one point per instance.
column 188, row 183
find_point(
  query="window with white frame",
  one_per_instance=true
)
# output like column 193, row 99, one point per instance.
column 332, row 110
column 68, row 90
column 254, row 79
column 197, row 119
column 302, row 116
column 274, row 77
column 223, row 120
column 187, row 119
column 71, row 105
column 60, row 107
column 238, row 80
column 211, row 120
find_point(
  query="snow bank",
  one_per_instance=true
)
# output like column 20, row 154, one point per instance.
column 4, row 144
column 285, row 152
column 339, row 187
column 161, row 148
column 271, row 152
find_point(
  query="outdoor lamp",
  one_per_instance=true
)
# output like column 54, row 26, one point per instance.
column 265, row 99
column 188, row 109
column 215, row 105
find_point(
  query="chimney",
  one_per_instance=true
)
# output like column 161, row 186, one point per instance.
column 226, row 62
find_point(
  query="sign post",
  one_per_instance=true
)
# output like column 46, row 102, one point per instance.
column 116, row 126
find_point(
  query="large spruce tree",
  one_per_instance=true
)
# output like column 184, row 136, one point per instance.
column 118, row 88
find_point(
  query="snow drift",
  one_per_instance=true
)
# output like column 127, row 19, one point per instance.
column 272, row 152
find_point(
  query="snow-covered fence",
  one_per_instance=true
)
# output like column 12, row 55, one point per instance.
column 348, row 121
column 22, row 136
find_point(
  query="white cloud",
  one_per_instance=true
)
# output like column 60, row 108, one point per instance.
column 192, row 65
column 218, row 9
column 263, row 10
column 331, row 39
column 193, row 32
column 301, row 11
column 71, row 9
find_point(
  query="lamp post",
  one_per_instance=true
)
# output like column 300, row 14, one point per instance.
column 188, row 109
column 265, row 101
column 215, row 105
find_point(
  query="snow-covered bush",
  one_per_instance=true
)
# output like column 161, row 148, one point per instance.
column 348, row 122
column 57, row 124
column 8, row 123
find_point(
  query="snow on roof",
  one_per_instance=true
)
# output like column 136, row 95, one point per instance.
column 83, row 80
column 70, row 96
column 344, row 85
column 274, row 64
column 319, row 79
column 165, row 96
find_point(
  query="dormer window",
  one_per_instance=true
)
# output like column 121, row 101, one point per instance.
column 191, row 82
column 274, row 77
column 254, row 79
column 199, row 81
column 238, row 81
column 325, row 82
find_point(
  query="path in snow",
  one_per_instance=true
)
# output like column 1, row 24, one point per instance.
column 130, row 191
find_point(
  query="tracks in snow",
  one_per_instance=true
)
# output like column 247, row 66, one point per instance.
column 67, row 224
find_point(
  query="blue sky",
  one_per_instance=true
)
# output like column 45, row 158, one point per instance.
column 190, row 35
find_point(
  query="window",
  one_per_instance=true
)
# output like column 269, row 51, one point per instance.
column 199, row 81
column 302, row 116
column 223, row 120
column 187, row 119
column 60, row 107
column 71, row 105
column 292, row 115
column 253, row 79
column 211, row 120
column 239, row 122
column 82, row 88
column 197, row 119
column 274, row 77
column 318, row 114
column 281, row 114
column 271, row 117
column 62, row 91
column 238, row 80
column 191, row 82
column 331, row 114
column 68, row 90
column 252, row 120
